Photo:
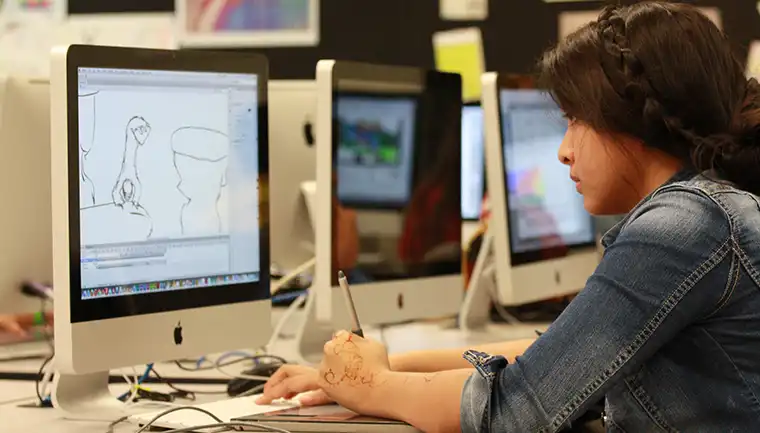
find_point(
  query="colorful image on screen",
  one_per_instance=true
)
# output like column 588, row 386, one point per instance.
column 527, row 186
column 374, row 160
column 213, row 16
column 367, row 142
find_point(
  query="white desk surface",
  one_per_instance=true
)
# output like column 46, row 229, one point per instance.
column 400, row 338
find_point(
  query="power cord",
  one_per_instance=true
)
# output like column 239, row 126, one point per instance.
column 219, row 423
column 295, row 273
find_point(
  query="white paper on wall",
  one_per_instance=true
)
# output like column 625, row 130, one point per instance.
column 463, row 10
column 143, row 30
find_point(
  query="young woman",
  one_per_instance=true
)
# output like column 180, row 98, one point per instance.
column 664, row 126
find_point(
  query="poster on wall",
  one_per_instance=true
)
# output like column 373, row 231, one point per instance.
column 571, row 21
column 247, row 23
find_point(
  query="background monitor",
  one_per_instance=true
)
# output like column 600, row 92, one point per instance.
column 25, row 190
column 544, row 240
column 389, row 191
column 473, row 161
column 160, row 205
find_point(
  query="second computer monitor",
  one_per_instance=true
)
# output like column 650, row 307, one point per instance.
column 544, row 239
column 388, row 187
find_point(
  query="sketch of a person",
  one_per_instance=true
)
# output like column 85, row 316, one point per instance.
column 127, row 190
column 201, row 158
column 86, row 141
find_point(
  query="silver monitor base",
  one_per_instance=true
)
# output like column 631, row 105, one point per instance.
column 474, row 313
column 87, row 397
column 306, row 346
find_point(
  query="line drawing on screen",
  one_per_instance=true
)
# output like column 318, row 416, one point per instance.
column 200, row 150
column 86, row 141
column 127, row 190
column 139, row 179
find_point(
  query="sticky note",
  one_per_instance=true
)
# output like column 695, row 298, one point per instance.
column 461, row 51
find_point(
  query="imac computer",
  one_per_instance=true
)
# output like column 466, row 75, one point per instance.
column 541, row 240
column 25, row 223
column 388, row 191
column 159, row 163
column 25, row 189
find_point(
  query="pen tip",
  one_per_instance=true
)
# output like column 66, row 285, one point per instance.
column 341, row 274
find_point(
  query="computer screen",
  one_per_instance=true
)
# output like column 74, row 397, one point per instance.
column 473, row 163
column 168, row 180
column 545, row 210
column 374, row 161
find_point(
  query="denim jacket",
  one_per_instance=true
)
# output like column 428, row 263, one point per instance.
column 666, row 331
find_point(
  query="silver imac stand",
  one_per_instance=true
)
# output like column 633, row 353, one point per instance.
column 311, row 335
column 86, row 397
column 474, row 314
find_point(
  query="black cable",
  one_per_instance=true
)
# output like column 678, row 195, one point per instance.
column 255, row 358
column 189, row 394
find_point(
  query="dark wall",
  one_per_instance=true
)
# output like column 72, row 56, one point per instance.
column 399, row 31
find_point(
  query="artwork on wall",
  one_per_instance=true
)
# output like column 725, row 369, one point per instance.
column 247, row 23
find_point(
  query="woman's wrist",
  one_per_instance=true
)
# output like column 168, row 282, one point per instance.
column 402, row 362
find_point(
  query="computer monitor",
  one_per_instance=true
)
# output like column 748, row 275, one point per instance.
column 388, row 191
column 473, row 161
column 543, row 238
column 25, row 190
column 160, row 207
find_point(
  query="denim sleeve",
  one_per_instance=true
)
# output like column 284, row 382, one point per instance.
column 656, row 278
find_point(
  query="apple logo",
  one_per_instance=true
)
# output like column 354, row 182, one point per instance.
column 178, row 334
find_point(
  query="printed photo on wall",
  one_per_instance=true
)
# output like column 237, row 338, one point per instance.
column 247, row 23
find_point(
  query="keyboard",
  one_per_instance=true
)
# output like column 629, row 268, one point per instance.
column 226, row 410
column 25, row 350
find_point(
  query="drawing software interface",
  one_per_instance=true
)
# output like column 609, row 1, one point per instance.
column 375, row 144
column 168, row 180
column 473, row 162
column 545, row 210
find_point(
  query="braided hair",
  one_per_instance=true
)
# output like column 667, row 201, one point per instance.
column 666, row 75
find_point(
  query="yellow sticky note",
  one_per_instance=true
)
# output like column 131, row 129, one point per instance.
column 461, row 51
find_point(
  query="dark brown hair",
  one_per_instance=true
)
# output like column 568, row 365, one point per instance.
column 665, row 74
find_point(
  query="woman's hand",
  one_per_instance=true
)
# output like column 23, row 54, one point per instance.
column 352, row 366
column 291, row 380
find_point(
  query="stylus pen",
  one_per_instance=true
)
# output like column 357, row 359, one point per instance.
column 343, row 282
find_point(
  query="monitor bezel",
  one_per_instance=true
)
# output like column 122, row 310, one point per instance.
column 391, row 205
column 84, row 56
column 526, row 82
column 465, row 219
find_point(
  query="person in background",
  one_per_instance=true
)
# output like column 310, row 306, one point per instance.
column 663, row 126
column 20, row 324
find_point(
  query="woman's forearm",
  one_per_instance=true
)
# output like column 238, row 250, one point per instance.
column 428, row 401
column 425, row 361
